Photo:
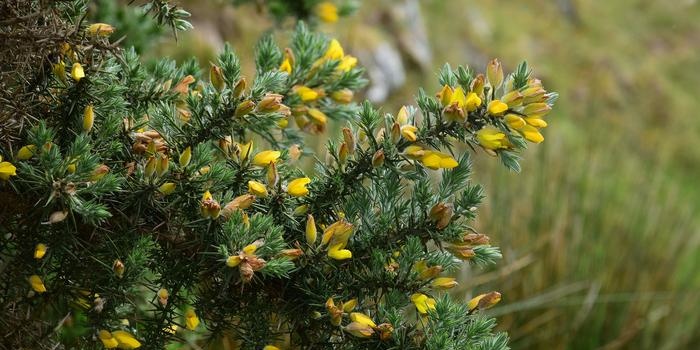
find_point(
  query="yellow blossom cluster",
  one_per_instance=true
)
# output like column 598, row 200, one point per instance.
column 307, row 113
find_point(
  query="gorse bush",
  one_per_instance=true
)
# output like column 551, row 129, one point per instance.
column 154, row 205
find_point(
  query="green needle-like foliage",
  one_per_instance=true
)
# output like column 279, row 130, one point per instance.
column 155, row 205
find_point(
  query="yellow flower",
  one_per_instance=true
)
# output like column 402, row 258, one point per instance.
column 362, row 319
column 191, row 319
column 40, row 251
column 334, row 51
column 26, row 152
column 210, row 208
column 349, row 305
column 497, row 108
column 77, row 72
column 492, row 138
column 337, row 253
column 473, row 101
column 126, row 340
column 257, row 188
column 423, row 303
column 514, row 121
column 264, row 158
column 438, row 160
column 59, row 69
column 245, row 148
column 185, row 157
column 444, row 283
column 37, row 284
column 484, row 301
column 270, row 347
column 297, row 187
column 531, row 134
column 409, row 132
column 347, row 63
column 310, row 231
column 359, row 330
column 7, row 170
column 337, row 233
column 536, row 121
column 494, row 73
column 342, row 96
column 306, row 94
column 327, row 12
column 286, row 66
column 101, row 29
column 454, row 111
column 233, row 261
column 445, row 95
column 216, row 77
column 167, row 188
column 107, row 339
column 317, row 116
column 539, row 108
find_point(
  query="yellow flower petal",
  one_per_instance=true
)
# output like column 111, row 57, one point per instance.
column 107, row 339
column 327, row 12
column 306, row 94
column 37, row 284
column 257, row 188
column 26, row 152
column 126, row 340
column 77, row 72
column 531, row 134
column 334, row 51
column 7, row 170
column 362, row 318
column 40, row 251
column 497, row 108
column 297, row 187
column 191, row 319
column 264, row 158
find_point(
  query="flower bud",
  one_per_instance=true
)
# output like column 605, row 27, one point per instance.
column 118, row 268
column 26, row 152
column 100, row 29
column 77, row 72
column 150, row 167
column 273, row 177
column 484, row 301
column 478, row 85
column 343, row 153
column 270, row 103
column 88, row 118
column 441, row 214
column 37, row 284
column 162, row 166
column 378, row 159
column 216, row 77
column 444, row 283
column 445, row 95
column 494, row 73
column 241, row 202
column 257, row 188
column 39, row 251
column 512, row 99
column 402, row 116
column 57, row 216
column 539, row 108
column 311, row 232
column 395, row 132
column 185, row 157
column 244, row 108
column 349, row 140
column 167, row 188
column 301, row 210
column 472, row 102
column 99, row 172
column 163, row 296
column 343, row 96
column 239, row 88
column 317, row 116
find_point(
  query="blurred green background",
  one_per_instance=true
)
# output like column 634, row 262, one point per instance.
column 599, row 232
